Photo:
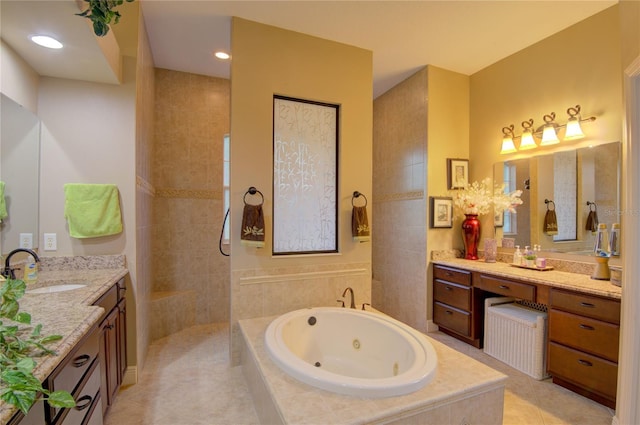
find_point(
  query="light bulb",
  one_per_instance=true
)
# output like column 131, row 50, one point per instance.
column 573, row 131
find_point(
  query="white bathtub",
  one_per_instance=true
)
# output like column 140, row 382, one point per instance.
column 351, row 352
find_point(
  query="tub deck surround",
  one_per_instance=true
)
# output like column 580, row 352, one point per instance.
column 552, row 278
column 69, row 313
column 462, row 389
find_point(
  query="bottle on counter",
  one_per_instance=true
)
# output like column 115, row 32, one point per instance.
column 517, row 256
column 30, row 270
column 602, row 240
column 614, row 239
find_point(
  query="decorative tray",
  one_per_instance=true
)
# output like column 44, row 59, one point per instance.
column 540, row 269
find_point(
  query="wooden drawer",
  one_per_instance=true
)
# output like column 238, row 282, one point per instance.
column 108, row 301
column 86, row 399
column 506, row 287
column 462, row 277
column 585, row 334
column 451, row 318
column 455, row 295
column 70, row 373
column 592, row 373
column 586, row 305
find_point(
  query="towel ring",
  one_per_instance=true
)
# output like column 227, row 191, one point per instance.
column 252, row 191
column 549, row 201
column 357, row 194
column 595, row 207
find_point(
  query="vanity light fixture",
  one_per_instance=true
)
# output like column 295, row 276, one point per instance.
column 46, row 41
column 548, row 133
column 507, row 140
column 527, row 142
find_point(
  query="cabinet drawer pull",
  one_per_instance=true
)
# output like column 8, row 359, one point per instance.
column 449, row 274
column 587, row 327
column 585, row 362
column 83, row 402
column 503, row 287
column 448, row 288
column 449, row 312
column 111, row 326
column 584, row 304
column 81, row 360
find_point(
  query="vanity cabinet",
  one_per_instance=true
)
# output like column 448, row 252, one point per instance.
column 584, row 335
column 112, row 342
column 456, row 310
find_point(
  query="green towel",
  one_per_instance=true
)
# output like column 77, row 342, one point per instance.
column 92, row 210
column 3, row 203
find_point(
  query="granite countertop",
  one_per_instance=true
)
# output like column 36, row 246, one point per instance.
column 71, row 313
column 554, row 278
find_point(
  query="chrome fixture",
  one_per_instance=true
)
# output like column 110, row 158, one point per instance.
column 547, row 133
column 350, row 291
column 8, row 272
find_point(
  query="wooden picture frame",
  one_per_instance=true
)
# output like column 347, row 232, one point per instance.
column 441, row 212
column 498, row 219
column 457, row 173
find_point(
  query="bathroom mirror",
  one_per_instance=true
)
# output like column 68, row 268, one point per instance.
column 570, row 179
column 20, row 171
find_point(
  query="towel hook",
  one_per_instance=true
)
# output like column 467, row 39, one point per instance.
column 252, row 191
column 549, row 201
column 357, row 194
column 595, row 207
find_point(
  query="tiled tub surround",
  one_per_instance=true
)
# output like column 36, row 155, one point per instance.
column 69, row 313
column 463, row 389
column 552, row 278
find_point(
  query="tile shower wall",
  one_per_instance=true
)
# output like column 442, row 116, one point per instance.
column 191, row 119
column 399, row 201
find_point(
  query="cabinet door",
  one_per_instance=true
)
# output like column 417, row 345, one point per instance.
column 122, row 339
column 109, row 359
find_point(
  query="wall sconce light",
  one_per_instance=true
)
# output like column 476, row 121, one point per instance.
column 548, row 133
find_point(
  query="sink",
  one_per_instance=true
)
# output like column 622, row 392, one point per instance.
column 56, row 288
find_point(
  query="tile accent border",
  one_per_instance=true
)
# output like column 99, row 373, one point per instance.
column 401, row 196
column 188, row 193
column 277, row 278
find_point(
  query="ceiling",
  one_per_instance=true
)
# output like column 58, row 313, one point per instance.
column 462, row 36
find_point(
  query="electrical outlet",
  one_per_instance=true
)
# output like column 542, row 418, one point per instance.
column 26, row 240
column 50, row 242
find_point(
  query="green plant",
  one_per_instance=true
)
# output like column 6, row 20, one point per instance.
column 102, row 14
column 18, row 346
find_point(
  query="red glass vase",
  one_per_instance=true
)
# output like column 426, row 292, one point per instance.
column 471, row 236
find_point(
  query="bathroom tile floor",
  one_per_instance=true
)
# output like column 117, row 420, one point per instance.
column 187, row 380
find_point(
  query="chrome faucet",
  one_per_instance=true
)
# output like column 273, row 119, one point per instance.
column 8, row 272
column 350, row 291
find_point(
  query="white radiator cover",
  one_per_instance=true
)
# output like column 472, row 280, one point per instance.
column 516, row 335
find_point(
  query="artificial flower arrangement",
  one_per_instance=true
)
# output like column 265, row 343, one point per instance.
column 477, row 198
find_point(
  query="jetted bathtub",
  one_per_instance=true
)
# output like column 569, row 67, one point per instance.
column 352, row 352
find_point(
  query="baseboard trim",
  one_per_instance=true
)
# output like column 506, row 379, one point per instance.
column 432, row 327
column 130, row 376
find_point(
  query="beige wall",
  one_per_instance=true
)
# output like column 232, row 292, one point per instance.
column 18, row 80
column 630, row 30
column 399, row 206
column 268, row 61
column 579, row 65
column 139, row 318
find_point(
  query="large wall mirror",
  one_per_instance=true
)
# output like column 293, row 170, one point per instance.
column 574, row 182
column 20, row 171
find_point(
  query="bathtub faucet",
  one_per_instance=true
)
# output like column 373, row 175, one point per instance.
column 350, row 291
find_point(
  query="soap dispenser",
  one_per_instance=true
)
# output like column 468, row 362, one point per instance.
column 517, row 256
column 30, row 270
column 602, row 240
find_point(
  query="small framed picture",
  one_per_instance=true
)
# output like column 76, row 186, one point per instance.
column 457, row 173
column 498, row 219
column 441, row 211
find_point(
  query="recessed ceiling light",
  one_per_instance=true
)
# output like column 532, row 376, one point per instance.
column 222, row 55
column 46, row 41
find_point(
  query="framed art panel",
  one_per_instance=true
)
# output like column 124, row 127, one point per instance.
column 457, row 173
column 441, row 212
column 305, row 176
